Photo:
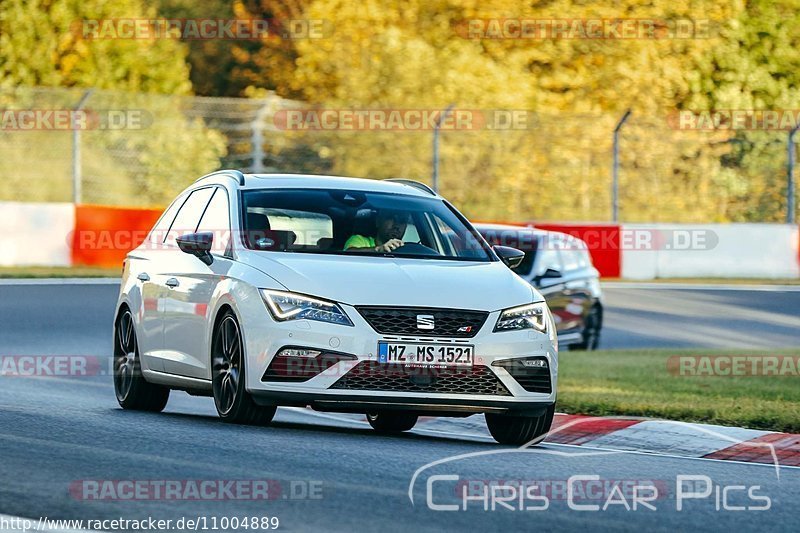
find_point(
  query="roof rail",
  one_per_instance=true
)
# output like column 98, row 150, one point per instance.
column 231, row 173
column 416, row 184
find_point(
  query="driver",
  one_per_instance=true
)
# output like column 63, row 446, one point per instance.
column 390, row 225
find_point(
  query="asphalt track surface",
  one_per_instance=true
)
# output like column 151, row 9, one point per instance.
column 728, row 317
column 56, row 432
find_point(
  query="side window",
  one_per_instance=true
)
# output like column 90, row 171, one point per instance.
column 217, row 220
column 189, row 216
column 161, row 228
column 587, row 258
column 583, row 256
column 411, row 234
column 571, row 258
column 574, row 255
column 452, row 243
column 548, row 256
column 438, row 235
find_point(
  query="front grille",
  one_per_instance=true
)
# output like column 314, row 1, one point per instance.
column 532, row 379
column 403, row 321
column 374, row 376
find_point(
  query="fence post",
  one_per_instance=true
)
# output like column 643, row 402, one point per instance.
column 790, row 194
column 257, row 139
column 442, row 117
column 615, row 169
column 77, row 178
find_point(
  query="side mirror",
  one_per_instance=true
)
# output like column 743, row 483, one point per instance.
column 510, row 256
column 550, row 273
column 198, row 245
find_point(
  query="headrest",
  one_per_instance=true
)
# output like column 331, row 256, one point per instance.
column 257, row 221
column 325, row 243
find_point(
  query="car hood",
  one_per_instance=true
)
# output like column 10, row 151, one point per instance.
column 388, row 281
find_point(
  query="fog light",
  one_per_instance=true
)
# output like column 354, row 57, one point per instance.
column 532, row 373
column 296, row 365
column 298, row 352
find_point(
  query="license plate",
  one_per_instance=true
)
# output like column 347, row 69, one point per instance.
column 438, row 355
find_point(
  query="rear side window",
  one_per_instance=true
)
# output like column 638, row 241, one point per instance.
column 548, row 258
column 217, row 220
column 161, row 228
column 570, row 258
column 574, row 255
column 189, row 215
column 587, row 258
column 548, row 255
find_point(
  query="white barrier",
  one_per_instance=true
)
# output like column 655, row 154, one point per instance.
column 35, row 234
column 710, row 251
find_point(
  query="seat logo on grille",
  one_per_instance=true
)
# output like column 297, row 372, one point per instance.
column 425, row 322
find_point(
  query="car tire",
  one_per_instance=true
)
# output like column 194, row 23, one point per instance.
column 132, row 390
column 518, row 430
column 392, row 422
column 591, row 332
column 234, row 404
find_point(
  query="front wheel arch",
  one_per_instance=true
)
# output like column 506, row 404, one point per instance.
column 243, row 410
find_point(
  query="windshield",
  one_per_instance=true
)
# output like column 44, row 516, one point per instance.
column 338, row 221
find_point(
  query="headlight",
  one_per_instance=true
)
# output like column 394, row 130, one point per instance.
column 531, row 316
column 289, row 306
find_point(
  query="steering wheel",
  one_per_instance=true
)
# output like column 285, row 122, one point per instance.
column 415, row 248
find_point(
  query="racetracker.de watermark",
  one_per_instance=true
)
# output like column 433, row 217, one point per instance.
column 733, row 365
column 584, row 28
column 195, row 489
column 406, row 119
column 735, row 120
column 67, row 366
column 608, row 239
column 70, row 119
column 593, row 240
column 193, row 29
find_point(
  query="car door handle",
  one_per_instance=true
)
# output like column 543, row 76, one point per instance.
column 172, row 283
column 143, row 277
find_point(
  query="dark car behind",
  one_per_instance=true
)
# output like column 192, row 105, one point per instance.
column 560, row 267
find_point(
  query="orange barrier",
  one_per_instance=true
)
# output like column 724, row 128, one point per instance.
column 103, row 235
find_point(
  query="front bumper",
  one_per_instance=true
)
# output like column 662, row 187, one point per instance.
column 431, row 406
column 264, row 338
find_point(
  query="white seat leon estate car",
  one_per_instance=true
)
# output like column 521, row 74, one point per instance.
column 342, row 294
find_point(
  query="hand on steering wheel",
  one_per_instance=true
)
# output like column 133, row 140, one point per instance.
column 389, row 246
